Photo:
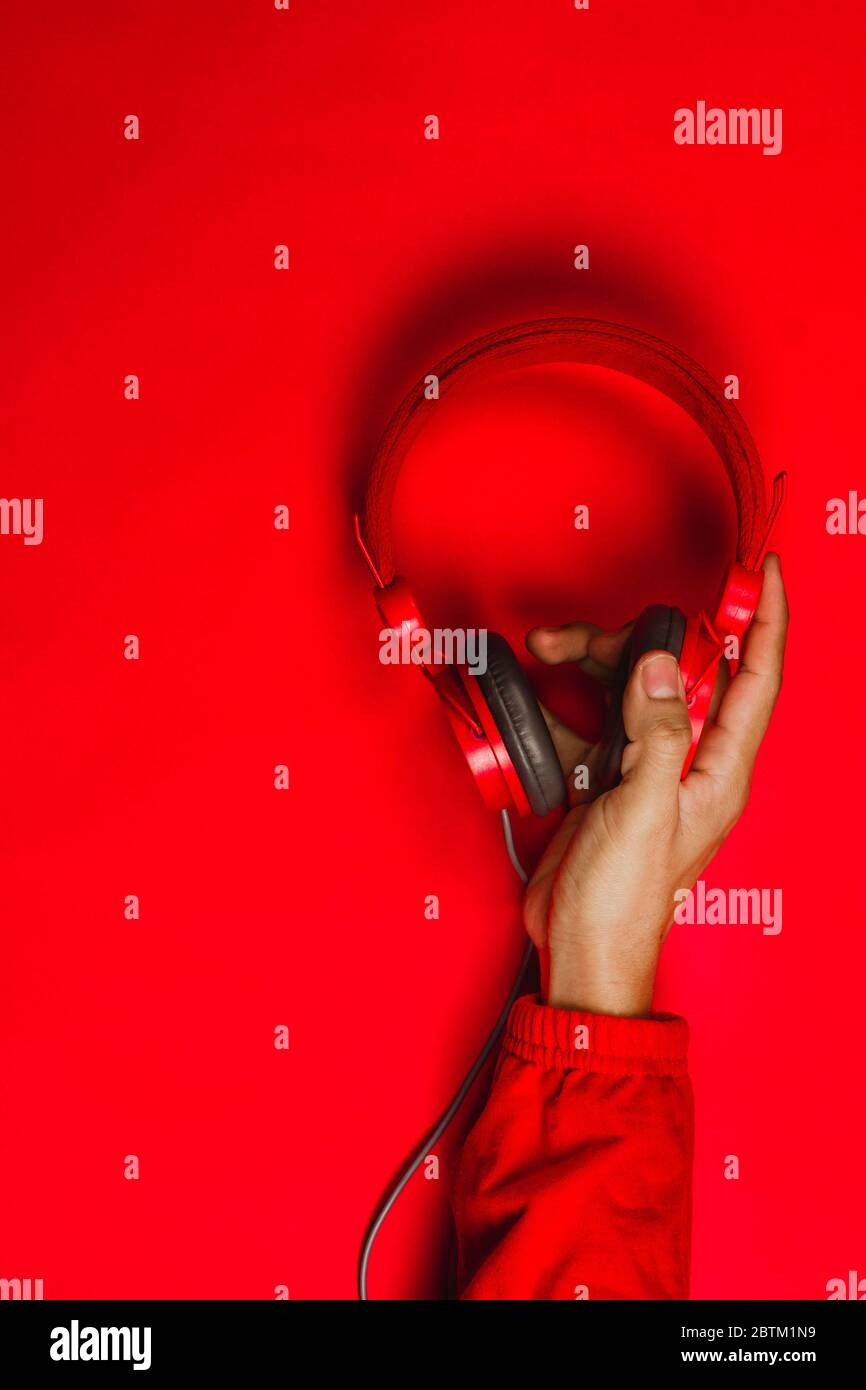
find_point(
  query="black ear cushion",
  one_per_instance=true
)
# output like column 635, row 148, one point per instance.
column 520, row 721
column 657, row 629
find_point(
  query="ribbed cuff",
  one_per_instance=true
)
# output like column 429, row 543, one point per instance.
column 571, row 1040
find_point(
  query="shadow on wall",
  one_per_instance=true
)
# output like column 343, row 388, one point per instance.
column 530, row 277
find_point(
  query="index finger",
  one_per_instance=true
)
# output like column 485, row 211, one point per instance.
column 729, row 747
column 596, row 651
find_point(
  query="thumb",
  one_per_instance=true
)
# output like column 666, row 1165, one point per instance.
column 657, row 723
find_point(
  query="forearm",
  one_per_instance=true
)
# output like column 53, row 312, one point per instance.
column 576, row 1179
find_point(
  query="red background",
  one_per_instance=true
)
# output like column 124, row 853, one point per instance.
column 258, row 647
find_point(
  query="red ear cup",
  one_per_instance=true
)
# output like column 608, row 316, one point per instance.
column 657, row 629
column 494, row 715
column 518, row 718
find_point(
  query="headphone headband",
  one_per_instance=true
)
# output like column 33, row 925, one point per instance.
column 596, row 343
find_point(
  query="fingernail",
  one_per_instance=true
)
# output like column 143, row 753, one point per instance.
column 661, row 677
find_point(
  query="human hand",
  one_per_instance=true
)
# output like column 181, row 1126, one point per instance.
column 602, row 898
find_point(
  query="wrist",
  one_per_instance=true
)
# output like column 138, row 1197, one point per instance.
column 601, row 982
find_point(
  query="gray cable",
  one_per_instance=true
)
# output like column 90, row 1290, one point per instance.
column 512, row 852
column 448, row 1115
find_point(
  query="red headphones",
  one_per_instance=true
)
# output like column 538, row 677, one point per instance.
column 495, row 715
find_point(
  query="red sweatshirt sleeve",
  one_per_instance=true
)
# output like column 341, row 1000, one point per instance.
column 575, row 1181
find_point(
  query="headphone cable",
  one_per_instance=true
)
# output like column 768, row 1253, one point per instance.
column 466, row 1086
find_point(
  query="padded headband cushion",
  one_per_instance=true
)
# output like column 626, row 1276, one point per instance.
column 520, row 722
column 576, row 340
